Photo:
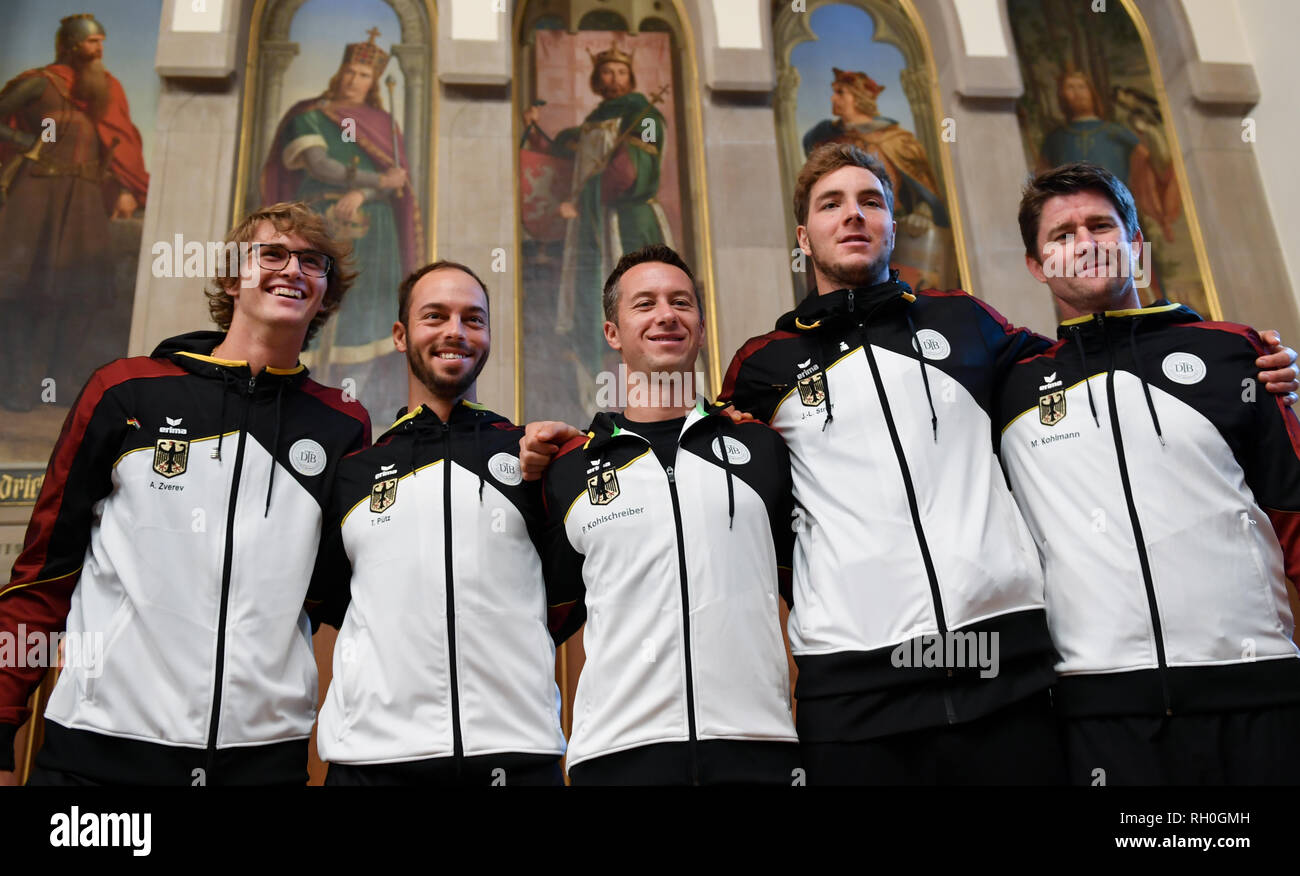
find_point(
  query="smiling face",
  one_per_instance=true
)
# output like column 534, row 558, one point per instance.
column 659, row 328
column 1082, row 246
column 355, row 80
column 446, row 337
column 849, row 233
column 281, row 299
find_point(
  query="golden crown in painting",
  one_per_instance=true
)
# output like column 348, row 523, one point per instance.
column 612, row 55
column 367, row 53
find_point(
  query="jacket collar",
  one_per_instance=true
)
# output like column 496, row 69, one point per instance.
column 1093, row 330
column 817, row 310
column 193, row 352
column 424, row 419
column 604, row 429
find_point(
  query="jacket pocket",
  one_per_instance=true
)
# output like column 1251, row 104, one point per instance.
column 1250, row 532
column 121, row 619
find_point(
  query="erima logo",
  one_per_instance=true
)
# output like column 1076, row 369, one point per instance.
column 1049, row 382
column 172, row 427
column 844, row 348
column 806, row 368
column 386, row 471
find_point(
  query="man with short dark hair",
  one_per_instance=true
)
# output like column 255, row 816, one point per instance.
column 175, row 534
column 444, row 673
column 668, row 522
column 1163, row 492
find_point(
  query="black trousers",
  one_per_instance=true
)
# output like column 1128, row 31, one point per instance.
column 709, row 762
column 1018, row 744
column 1240, row 747
column 491, row 770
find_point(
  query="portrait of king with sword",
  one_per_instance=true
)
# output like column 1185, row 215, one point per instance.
column 591, row 192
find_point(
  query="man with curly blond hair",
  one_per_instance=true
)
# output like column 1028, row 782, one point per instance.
column 169, row 552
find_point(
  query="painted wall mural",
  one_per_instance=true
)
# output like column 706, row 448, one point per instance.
column 1091, row 95
column 76, row 121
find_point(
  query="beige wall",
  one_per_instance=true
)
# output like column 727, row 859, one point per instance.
column 1267, row 30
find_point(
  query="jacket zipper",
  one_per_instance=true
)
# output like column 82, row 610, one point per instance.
column 1138, row 539
column 228, row 561
column 458, row 743
column 908, row 486
column 686, row 628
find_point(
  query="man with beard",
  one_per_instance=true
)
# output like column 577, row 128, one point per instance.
column 70, row 159
column 335, row 152
column 617, row 154
column 444, row 673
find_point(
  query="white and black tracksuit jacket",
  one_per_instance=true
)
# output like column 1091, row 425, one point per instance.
column 907, row 532
column 1162, row 484
column 675, row 572
column 444, row 651
column 177, row 529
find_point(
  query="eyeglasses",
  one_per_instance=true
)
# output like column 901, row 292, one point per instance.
column 275, row 257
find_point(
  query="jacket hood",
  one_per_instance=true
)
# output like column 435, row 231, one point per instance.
column 193, row 352
column 817, row 309
column 202, row 343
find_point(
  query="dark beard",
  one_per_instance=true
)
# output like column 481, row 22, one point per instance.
column 437, row 386
column 91, row 86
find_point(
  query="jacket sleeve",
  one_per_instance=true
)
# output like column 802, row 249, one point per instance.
column 1270, row 457
column 330, row 590
column 745, row 388
column 45, row 574
column 561, row 562
column 781, row 513
column 1007, row 343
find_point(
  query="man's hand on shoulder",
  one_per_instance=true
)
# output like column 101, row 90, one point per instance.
column 542, row 440
column 1278, row 371
column 736, row 416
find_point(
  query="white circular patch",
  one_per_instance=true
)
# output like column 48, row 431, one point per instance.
column 307, row 457
column 933, row 344
column 737, row 453
column 1183, row 368
column 505, row 468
